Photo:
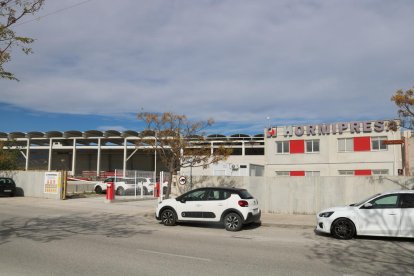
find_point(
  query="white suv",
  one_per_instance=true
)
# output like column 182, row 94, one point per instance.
column 122, row 185
column 231, row 206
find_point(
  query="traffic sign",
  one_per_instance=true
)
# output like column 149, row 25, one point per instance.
column 182, row 180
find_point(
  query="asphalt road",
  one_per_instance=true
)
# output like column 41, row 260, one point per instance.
column 51, row 240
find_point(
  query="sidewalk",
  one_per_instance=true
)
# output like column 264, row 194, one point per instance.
column 288, row 221
column 146, row 207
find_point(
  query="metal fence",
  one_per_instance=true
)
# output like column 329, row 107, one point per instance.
column 143, row 184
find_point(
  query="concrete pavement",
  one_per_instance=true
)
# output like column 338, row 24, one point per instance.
column 146, row 207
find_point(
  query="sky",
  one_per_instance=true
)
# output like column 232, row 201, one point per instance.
column 246, row 64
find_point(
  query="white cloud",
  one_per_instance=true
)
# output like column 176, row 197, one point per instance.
column 237, row 61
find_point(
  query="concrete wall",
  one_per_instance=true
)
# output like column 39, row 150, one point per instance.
column 305, row 195
column 29, row 183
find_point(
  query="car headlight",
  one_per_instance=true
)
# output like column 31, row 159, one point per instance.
column 325, row 214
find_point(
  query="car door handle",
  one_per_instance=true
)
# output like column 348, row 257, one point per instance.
column 220, row 204
column 392, row 214
column 198, row 205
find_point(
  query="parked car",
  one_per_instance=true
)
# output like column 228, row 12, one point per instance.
column 122, row 185
column 232, row 207
column 7, row 186
column 388, row 214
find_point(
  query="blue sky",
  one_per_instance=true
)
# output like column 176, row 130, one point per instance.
column 239, row 62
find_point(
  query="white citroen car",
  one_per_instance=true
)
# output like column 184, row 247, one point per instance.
column 233, row 207
column 388, row 214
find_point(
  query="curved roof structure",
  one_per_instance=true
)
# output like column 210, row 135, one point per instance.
column 53, row 134
column 72, row 133
column 129, row 133
column 93, row 133
column 110, row 133
column 240, row 136
column 35, row 134
column 14, row 135
column 217, row 137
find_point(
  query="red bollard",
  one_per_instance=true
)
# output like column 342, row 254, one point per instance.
column 110, row 191
column 157, row 189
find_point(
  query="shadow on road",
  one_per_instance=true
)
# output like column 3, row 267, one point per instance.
column 364, row 255
column 58, row 228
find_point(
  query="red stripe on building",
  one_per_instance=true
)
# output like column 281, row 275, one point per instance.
column 363, row 172
column 297, row 146
column 362, row 143
column 297, row 173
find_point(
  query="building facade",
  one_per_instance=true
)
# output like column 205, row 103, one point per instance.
column 337, row 149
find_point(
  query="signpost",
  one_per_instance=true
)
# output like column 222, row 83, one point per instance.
column 182, row 180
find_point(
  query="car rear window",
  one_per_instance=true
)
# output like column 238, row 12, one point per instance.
column 244, row 194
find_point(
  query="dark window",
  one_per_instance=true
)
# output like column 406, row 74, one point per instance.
column 244, row 194
column 407, row 201
column 195, row 195
column 218, row 194
column 388, row 201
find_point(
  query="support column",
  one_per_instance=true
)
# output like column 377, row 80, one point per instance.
column 49, row 163
column 98, row 161
column 27, row 154
column 125, row 157
column 243, row 148
column 74, row 157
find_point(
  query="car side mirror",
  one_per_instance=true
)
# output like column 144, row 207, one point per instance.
column 182, row 200
column 367, row 205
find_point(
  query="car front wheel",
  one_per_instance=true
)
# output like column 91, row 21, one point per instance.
column 233, row 222
column 120, row 191
column 343, row 229
column 168, row 217
column 98, row 190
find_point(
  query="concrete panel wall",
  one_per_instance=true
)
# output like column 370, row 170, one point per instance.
column 29, row 183
column 306, row 195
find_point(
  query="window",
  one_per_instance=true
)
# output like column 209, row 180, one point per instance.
column 195, row 195
column 346, row 144
column 312, row 145
column 377, row 143
column 407, row 201
column 346, row 172
column 312, row 173
column 282, row 173
column 388, row 201
column 379, row 172
column 282, row 147
column 218, row 194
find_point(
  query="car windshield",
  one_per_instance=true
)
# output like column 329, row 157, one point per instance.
column 244, row 194
column 365, row 200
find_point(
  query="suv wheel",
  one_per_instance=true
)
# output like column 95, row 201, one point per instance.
column 98, row 190
column 233, row 222
column 120, row 191
column 168, row 217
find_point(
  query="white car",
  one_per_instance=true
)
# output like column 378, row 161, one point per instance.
column 233, row 207
column 122, row 185
column 388, row 214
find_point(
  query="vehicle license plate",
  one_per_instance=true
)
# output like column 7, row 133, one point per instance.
column 255, row 210
column 7, row 191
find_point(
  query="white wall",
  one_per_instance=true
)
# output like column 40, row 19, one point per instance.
column 29, row 183
column 305, row 195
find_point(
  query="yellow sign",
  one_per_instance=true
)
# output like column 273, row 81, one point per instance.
column 52, row 182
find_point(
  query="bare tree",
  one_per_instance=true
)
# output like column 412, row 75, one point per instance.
column 11, row 12
column 179, row 143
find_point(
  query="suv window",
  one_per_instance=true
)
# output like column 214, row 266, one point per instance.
column 244, row 194
column 218, row 194
column 195, row 195
column 407, row 201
